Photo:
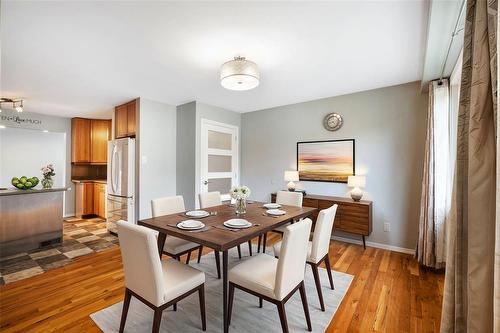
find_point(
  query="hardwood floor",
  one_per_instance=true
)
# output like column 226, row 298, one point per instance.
column 390, row 293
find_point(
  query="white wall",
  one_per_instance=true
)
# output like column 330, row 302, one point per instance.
column 35, row 121
column 388, row 125
column 157, row 150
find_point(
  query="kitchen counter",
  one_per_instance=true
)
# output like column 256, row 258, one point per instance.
column 15, row 191
column 30, row 219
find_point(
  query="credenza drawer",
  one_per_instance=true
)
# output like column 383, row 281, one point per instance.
column 306, row 202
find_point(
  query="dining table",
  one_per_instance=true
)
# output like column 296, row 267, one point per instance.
column 220, row 238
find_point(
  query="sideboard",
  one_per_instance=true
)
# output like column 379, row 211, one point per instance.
column 353, row 217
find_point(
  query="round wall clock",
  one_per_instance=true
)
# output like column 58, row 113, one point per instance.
column 332, row 121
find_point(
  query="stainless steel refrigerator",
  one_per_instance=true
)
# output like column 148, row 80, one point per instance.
column 121, row 182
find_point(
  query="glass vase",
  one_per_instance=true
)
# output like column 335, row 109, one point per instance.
column 47, row 183
column 241, row 206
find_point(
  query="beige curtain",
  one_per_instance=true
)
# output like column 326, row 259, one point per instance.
column 435, row 198
column 471, row 298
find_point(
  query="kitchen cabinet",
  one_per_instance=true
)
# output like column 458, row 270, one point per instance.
column 90, row 198
column 100, row 135
column 100, row 200
column 80, row 140
column 89, row 140
column 125, row 120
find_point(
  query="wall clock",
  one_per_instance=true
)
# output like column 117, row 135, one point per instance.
column 332, row 121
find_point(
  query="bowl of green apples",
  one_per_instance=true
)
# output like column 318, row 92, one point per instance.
column 24, row 183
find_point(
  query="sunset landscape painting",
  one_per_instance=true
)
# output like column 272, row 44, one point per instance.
column 325, row 161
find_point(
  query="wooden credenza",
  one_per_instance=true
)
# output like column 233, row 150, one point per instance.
column 353, row 217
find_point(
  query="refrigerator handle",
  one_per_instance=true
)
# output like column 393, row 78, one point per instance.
column 113, row 166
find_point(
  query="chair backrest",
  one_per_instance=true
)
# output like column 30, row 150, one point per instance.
column 210, row 199
column 322, row 233
column 141, row 263
column 167, row 205
column 292, row 261
column 289, row 198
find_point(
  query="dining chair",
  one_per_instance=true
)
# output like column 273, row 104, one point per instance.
column 155, row 282
column 318, row 248
column 276, row 280
column 211, row 199
column 288, row 198
column 174, row 247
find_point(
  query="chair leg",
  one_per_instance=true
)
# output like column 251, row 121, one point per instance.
column 329, row 271
column 175, row 306
column 201, row 294
column 239, row 251
column 264, row 243
column 314, row 268
column 258, row 244
column 217, row 262
column 282, row 313
column 126, row 304
column 199, row 253
column 260, row 302
column 305, row 306
column 250, row 247
column 188, row 258
column 230, row 304
column 157, row 320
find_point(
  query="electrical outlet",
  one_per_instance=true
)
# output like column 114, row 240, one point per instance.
column 387, row 226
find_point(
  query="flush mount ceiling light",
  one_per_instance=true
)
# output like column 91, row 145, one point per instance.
column 17, row 104
column 239, row 74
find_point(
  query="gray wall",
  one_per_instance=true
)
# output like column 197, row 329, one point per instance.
column 186, row 152
column 157, row 151
column 388, row 125
column 52, row 124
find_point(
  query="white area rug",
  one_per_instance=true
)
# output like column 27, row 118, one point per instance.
column 247, row 316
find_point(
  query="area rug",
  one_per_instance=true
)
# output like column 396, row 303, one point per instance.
column 247, row 316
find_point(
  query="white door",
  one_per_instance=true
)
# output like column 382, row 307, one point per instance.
column 219, row 157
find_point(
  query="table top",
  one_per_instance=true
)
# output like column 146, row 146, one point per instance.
column 219, row 237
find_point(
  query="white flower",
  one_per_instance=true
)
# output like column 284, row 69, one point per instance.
column 240, row 192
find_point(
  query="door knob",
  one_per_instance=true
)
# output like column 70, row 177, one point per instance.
column 206, row 182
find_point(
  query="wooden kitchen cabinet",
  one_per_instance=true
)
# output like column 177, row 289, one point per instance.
column 89, row 140
column 80, row 140
column 100, row 200
column 125, row 119
column 84, row 199
column 100, row 135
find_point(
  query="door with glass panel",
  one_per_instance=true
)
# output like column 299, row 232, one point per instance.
column 219, row 157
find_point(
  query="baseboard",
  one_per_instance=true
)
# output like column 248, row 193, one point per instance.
column 376, row 245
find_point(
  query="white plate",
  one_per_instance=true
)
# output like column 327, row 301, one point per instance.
column 237, row 223
column 198, row 213
column 190, row 225
column 271, row 205
column 275, row 212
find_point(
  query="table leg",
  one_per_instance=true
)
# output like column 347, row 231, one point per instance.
column 161, row 242
column 224, row 292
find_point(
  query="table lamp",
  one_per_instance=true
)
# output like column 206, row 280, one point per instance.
column 291, row 177
column 356, row 182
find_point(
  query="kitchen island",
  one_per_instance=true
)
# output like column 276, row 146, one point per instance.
column 30, row 219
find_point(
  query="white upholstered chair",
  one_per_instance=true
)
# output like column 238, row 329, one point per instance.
column 288, row 198
column 318, row 248
column 174, row 247
column 211, row 199
column 157, row 283
column 276, row 280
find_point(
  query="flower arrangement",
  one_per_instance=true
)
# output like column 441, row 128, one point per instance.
column 240, row 194
column 48, row 172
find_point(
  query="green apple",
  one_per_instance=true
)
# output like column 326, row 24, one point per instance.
column 20, row 186
column 28, row 184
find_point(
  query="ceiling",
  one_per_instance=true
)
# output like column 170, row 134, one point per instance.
column 83, row 58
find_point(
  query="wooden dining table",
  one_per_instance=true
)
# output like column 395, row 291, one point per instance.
column 220, row 238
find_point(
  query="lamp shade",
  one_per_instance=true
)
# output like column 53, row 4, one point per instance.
column 356, row 181
column 239, row 74
column 291, row 176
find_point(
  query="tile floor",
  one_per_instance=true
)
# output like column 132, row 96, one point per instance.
column 81, row 237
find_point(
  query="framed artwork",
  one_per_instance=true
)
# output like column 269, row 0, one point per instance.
column 325, row 161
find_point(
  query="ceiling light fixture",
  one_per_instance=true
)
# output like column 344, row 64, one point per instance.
column 17, row 104
column 239, row 74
